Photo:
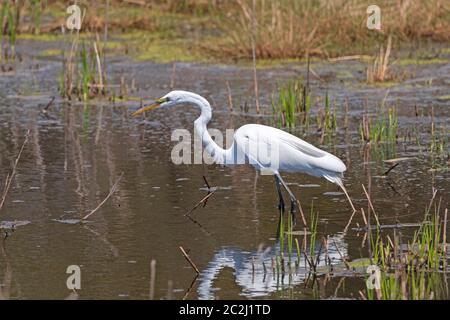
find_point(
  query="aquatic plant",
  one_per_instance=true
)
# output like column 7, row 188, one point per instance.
column 409, row 270
column 36, row 7
column 439, row 142
column 81, row 75
column 85, row 72
column 382, row 129
column 378, row 71
column 293, row 104
column 3, row 14
column 314, row 217
column 8, row 16
column 327, row 118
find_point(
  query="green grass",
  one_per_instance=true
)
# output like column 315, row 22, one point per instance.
column 329, row 123
column 292, row 105
column 410, row 61
column 381, row 129
column 314, row 217
column 3, row 14
column 85, row 72
column 12, row 30
column 411, row 270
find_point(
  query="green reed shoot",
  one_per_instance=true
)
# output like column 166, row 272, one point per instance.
column 297, row 245
column 330, row 121
column 411, row 271
column 291, row 107
column 3, row 14
column 383, row 129
column 439, row 142
column 85, row 72
column 12, row 29
column 314, row 216
column 37, row 13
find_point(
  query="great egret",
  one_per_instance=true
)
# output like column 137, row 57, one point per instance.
column 255, row 142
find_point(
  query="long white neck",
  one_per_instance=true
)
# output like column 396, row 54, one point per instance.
column 216, row 152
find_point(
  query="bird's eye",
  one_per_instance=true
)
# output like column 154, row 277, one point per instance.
column 167, row 99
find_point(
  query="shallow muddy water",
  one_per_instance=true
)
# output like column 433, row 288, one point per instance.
column 77, row 151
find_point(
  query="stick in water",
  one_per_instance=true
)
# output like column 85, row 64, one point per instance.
column 113, row 189
column 152, row 279
column 189, row 260
column 371, row 206
column 10, row 177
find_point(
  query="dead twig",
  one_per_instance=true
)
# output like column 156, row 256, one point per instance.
column 364, row 216
column 200, row 202
column 10, row 177
column 349, row 221
column 113, row 189
column 230, row 97
column 204, row 200
column 206, row 182
column 371, row 206
column 301, row 213
column 342, row 257
column 152, row 279
column 209, row 190
column 172, row 78
column 444, row 237
column 190, row 287
column 45, row 109
column 390, row 169
column 189, row 260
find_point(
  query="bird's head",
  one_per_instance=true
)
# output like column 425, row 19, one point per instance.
column 173, row 98
column 170, row 99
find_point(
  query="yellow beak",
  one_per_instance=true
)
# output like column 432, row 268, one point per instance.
column 153, row 106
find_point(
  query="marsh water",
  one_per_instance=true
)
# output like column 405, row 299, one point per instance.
column 76, row 152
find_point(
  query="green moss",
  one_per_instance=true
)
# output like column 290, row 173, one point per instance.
column 40, row 37
column 270, row 63
column 385, row 84
column 166, row 52
column 409, row 61
column 444, row 98
column 360, row 263
column 50, row 53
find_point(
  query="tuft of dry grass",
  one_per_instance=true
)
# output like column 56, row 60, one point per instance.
column 276, row 29
column 378, row 70
column 296, row 29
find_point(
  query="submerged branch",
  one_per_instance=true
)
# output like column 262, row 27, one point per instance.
column 10, row 177
column 113, row 189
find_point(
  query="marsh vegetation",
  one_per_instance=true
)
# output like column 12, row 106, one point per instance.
column 76, row 169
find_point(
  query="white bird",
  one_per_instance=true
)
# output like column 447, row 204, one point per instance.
column 268, row 149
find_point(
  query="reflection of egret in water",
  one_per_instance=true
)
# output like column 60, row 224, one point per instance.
column 254, row 271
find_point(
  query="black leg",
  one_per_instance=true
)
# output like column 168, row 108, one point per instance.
column 280, row 195
column 281, row 205
column 292, row 197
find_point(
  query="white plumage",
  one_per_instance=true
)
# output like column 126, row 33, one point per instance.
column 266, row 148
